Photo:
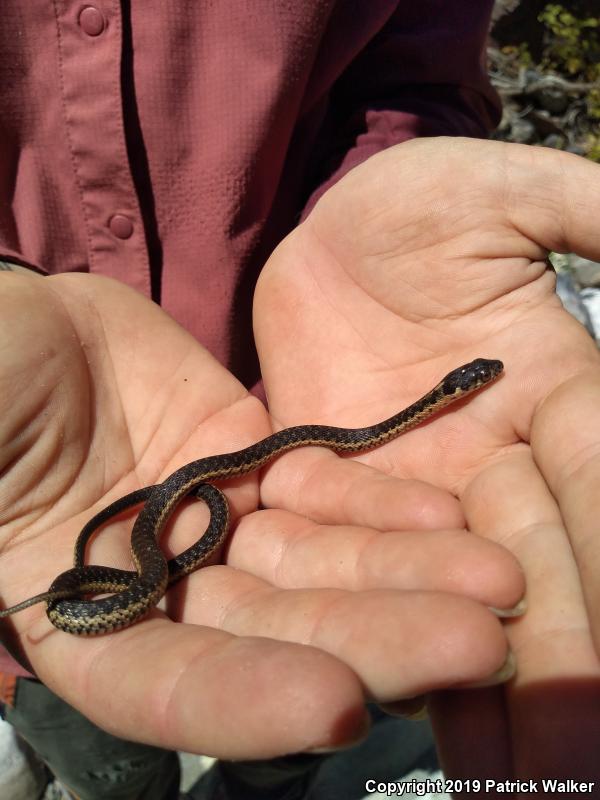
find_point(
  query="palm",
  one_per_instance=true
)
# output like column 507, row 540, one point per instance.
column 384, row 305
column 126, row 393
column 423, row 258
column 103, row 393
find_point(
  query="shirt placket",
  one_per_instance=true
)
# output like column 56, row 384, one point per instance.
column 90, row 53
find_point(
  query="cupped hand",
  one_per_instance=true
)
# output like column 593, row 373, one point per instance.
column 103, row 393
column 424, row 257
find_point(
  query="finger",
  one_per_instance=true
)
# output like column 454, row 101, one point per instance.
column 293, row 552
column 562, row 219
column 331, row 489
column 556, row 687
column 516, row 178
column 202, row 690
column 566, row 447
column 398, row 643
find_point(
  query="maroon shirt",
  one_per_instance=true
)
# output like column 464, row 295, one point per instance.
column 173, row 145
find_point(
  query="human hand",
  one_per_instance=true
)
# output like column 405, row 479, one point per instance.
column 424, row 257
column 103, row 393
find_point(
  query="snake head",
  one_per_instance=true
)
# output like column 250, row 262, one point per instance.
column 471, row 376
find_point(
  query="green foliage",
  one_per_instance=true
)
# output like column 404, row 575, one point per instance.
column 594, row 149
column 571, row 44
column 593, row 110
column 570, row 50
column 521, row 53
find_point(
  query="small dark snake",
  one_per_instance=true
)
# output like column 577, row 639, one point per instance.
column 138, row 592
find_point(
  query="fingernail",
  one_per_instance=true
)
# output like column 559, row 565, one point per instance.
column 508, row 613
column 505, row 673
column 359, row 735
column 413, row 708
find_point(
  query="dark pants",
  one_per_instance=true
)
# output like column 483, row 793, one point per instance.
column 92, row 764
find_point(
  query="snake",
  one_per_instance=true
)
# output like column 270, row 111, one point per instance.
column 134, row 593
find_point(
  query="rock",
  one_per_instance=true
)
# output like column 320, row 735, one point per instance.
column 572, row 302
column 586, row 272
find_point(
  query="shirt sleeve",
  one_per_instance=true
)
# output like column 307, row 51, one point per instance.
column 423, row 74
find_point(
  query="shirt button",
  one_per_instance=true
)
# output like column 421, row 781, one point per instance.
column 92, row 21
column 121, row 226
